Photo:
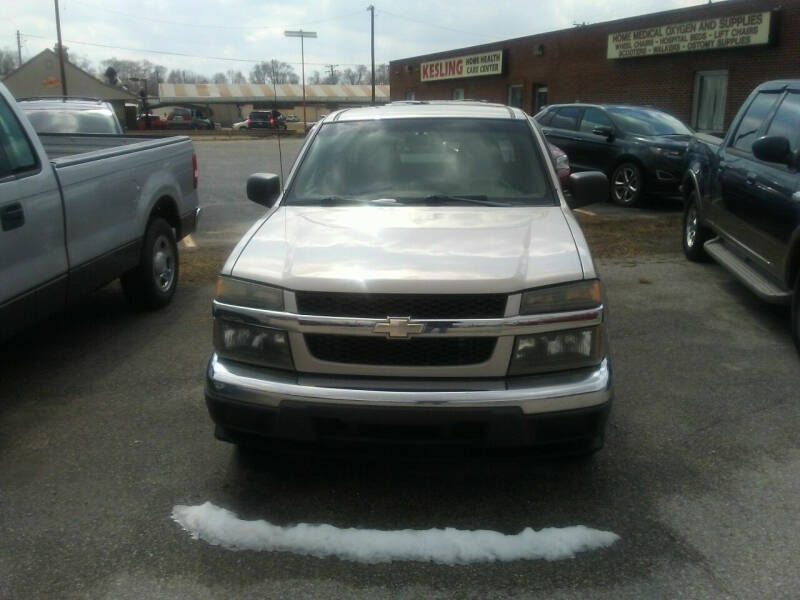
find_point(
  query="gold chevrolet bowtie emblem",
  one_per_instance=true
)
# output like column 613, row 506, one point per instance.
column 398, row 327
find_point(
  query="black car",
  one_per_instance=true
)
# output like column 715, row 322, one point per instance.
column 641, row 149
column 266, row 119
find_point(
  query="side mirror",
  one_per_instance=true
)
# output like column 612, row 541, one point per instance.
column 773, row 148
column 604, row 131
column 587, row 187
column 263, row 188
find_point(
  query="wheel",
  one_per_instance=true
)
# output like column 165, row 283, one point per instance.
column 694, row 234
column 152, row 283
column 796, row 313
column 626, row 184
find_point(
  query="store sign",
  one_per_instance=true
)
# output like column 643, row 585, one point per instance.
column 51, row 82
column 458, row 67
column 710, row 34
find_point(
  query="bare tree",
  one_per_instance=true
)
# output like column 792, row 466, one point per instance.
column 280, row 72
column 129, row 72
column 357, row 76
column 8, row 61
column 314, row 78
column 219, row 78
column 236, row 77
column 382, row 74
column 184, row 76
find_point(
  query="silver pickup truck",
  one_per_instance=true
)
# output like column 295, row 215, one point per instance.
column 420, row 280
column 78, row 211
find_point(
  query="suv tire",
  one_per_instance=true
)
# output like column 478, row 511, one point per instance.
column 152, row 283
column 626, row 184
column 694, row 234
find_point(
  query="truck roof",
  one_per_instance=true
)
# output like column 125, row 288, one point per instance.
column 409, row 109
column 75, row 103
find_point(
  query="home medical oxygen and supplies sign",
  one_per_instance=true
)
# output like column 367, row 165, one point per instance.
column 709, row 34
column 458, row 67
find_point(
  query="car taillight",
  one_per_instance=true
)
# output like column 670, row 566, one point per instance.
column 194, row 170
column 272, row 121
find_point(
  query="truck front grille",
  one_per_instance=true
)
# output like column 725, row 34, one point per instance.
column 433, row 352
column 418, row 306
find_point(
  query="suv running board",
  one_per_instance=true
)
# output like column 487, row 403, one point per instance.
column 755, row 281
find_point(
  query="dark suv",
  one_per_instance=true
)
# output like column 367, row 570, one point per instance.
column 266, row 119
column 743, row 196
column 641, row 149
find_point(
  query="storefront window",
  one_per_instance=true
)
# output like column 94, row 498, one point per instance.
column 515, row 96
column 410, row 95
column 458, row 94
column 708, row 104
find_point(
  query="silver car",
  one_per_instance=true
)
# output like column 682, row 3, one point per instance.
column 419, row 280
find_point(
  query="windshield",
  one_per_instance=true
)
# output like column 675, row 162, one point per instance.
column 644, row 121
column 58, row 120
column 415, row 160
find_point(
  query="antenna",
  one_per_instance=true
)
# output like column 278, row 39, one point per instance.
column 277, row 128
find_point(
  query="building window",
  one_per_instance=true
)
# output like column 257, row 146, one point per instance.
column 515, row 96
column 708, row 102
column 410, row 95
column 539, row 97
column 458, row 94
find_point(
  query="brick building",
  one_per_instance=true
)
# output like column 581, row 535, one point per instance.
column 698, row 63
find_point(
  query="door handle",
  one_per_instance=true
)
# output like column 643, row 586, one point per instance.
column 12, row 216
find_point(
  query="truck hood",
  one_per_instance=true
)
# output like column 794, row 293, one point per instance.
column 411, row 249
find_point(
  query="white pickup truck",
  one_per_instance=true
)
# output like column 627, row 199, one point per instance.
column 78, row 211
column 419, row 280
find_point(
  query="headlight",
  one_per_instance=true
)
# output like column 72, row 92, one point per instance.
column 557, row 351
column 252, row 344
column 247, row 293
column 562, row 298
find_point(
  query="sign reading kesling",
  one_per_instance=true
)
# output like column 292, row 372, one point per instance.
column 472, row 65
column 710, row 34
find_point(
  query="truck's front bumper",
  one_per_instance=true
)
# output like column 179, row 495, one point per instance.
column 569, row 408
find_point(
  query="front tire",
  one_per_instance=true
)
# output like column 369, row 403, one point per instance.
column 152, row 283
column 694, row 233
column 626, row 184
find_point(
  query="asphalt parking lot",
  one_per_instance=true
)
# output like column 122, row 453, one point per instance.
column 103, row 429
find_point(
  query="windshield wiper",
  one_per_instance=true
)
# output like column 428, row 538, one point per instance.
column 481, row 200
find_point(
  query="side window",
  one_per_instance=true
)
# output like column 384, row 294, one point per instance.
column 566, row 118
column 16, row 153
column 786, row 122
column 594, row 117
column 545, row 117
column 753, row 119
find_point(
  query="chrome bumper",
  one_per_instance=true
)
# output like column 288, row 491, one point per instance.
column 533, row 395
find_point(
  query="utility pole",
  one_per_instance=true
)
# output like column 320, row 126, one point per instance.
column 19, row 50
column 60, row 52
column 371, row 10
column 302, row 35
column 332, row 69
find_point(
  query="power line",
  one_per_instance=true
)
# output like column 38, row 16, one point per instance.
column 182, row 54
column 420, row 22
column 203, row 25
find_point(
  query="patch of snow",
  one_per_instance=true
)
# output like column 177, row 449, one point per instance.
column 221, row 527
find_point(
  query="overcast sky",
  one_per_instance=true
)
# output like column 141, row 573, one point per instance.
column 252, row 30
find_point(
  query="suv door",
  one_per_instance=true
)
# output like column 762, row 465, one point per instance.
column 562, row 130
column 736, row 209
column 594, row 151
column 775, row 193
column 33, row 260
